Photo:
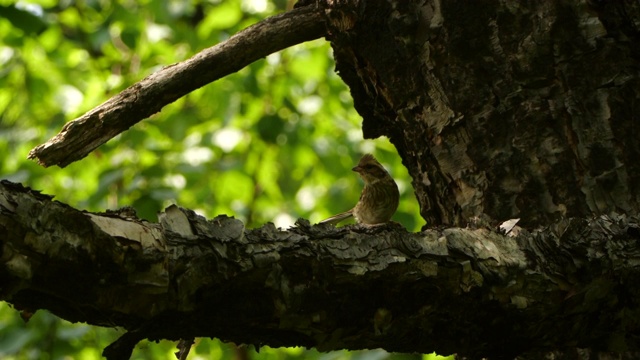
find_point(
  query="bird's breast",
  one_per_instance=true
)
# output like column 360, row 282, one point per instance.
column 378, row 203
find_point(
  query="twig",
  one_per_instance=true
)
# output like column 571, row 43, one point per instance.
column 148, row 96
column 184, row 346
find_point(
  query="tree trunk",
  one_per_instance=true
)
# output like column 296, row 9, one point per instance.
column 501, row 109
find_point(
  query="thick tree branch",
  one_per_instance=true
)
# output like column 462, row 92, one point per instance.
column 471, row 291
column 148, row 96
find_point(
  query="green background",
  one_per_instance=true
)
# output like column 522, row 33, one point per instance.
column 271, row 143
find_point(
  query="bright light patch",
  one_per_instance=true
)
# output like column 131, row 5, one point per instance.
column 227, row 139
column 114, row 81
column 34, row 9
column 67, row 182
column 310, row 105
column 176, row 181
column 197, row 155
column 284, row 221
column 69, row 98
column 124, row 155
column 254, row 6
column 367, row 147
column 273, row 59
column 157, row 32
column 306, row 198
column 6, row 53
column 354, row 135
column 402, row 186
column 178, row 8
column 321, row 145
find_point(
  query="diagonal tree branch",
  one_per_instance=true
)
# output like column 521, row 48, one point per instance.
column 472, row 291
column 148, row 96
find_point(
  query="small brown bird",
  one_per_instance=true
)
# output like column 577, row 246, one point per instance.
column 379, row 198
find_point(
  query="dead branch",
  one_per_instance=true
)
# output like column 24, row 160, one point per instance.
column 148, row 96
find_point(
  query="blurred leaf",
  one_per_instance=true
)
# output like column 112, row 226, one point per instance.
column 12, row 340
column 270, row 127
column 22, row 19
column 73, row 332
column 203, row 347
column 130, row 37
column 221, row 16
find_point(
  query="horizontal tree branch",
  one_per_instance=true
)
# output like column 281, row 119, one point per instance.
column 148, row 96
column 475, row 292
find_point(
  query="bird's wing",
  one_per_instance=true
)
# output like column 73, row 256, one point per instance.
column 337, row 218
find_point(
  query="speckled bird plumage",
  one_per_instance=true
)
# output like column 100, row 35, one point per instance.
column 379, row 198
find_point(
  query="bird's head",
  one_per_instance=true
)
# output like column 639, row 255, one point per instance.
column 370, row 169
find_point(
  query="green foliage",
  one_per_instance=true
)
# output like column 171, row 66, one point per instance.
column 45, row 336
column 271, row 143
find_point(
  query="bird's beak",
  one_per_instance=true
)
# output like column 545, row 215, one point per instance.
column 356, row 169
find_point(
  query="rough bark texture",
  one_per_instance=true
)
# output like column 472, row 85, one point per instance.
column 501, row 109
column 474, row 292
column 81, row 136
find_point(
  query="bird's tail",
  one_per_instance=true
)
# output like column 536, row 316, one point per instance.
column 337, row 218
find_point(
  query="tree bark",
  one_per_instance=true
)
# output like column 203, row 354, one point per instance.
column 499, row 109
column 474, row 292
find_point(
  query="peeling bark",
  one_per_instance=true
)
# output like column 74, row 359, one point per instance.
column 474, row 291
